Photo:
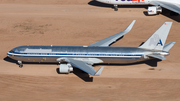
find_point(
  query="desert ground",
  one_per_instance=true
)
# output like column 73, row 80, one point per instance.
column 78, row 23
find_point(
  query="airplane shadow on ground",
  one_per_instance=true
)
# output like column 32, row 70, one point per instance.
column 167, row 14
column 85, row 76
column 164, row 13
column 99, row 4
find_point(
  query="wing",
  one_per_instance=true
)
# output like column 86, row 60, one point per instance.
column 113, row 38
column 83, row 66
column 168, row 5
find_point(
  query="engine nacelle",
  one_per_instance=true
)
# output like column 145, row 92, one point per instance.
column 153, row 10
column 65, row 68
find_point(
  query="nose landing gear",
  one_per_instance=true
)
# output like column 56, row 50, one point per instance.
column 20, row 64
column 115, row 7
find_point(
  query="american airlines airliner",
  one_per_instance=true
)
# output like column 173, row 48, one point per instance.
column 83, row 57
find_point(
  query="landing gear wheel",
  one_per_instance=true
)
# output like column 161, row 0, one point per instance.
column 21, row 65
column 115, row 7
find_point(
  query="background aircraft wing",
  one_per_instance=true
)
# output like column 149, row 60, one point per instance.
column 108, row 41
column 84, row 66
column 170, row 6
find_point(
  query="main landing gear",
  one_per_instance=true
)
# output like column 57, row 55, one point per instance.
column 20, row 64
column 115, row 7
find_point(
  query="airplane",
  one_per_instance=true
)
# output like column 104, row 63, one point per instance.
column 172, row 5
column 83, row 57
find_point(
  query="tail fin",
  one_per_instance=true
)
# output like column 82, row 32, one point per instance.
column 158, row 39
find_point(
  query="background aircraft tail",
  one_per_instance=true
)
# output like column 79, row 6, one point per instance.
column 158, row 39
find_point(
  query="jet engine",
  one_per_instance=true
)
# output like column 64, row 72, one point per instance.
column 153, row 10
column 65, row 68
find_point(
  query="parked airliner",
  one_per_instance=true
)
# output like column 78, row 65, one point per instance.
column 83, row 57
column 172, row 5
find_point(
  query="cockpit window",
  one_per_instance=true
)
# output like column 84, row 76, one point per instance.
column 12, row 51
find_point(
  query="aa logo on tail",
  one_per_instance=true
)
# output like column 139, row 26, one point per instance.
column 160, row 42
column 154, row 41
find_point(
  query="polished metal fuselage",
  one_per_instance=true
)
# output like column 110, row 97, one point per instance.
column 52, row 53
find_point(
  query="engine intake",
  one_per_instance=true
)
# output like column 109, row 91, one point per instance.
column 65, row 68
column 153, row 10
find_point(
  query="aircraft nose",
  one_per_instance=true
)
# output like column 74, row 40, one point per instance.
column 8, row 54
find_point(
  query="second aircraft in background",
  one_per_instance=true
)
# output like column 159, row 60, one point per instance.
column 172, row 5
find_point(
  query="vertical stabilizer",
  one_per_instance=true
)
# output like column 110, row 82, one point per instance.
column 158, row 39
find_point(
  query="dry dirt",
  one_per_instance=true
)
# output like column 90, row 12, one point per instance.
column 77, row 23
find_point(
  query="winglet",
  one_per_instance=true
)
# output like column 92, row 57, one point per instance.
column 109, row 40
column 98, row 73
column 130, row 26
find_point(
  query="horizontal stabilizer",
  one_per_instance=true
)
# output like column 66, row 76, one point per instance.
column 98, row 73
column 168, row 46
column 160, row 57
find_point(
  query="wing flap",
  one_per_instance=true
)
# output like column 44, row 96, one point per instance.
column 173, row 7
column 109, row 40
column 98, row 73
column 83, row 66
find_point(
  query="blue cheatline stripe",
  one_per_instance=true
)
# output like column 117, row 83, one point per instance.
column 76, row 55
column 80, row 57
